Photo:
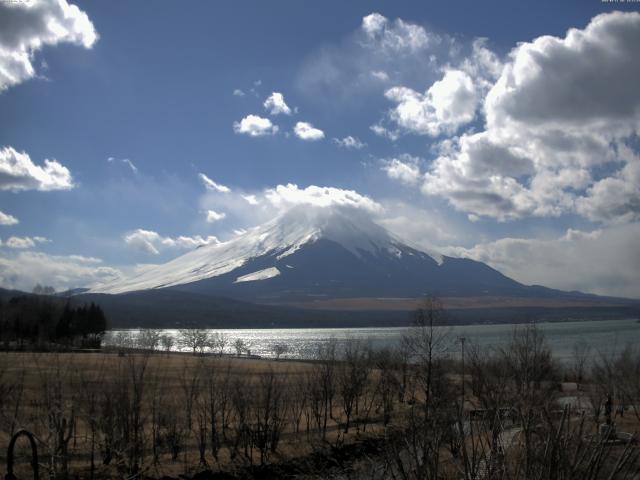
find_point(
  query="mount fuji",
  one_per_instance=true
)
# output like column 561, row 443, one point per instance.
column 315, row 254
column 328, row 266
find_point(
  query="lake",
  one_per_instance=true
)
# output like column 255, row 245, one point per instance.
column 606, row 336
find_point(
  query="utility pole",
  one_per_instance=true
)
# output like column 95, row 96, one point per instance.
column 462, row 340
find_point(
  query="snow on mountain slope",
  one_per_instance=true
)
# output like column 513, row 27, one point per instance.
column 265, row 274
column 351, row 228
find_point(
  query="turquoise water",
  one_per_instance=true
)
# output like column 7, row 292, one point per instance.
column 607, row 336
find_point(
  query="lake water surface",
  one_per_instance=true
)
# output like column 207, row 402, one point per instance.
column 607, row 336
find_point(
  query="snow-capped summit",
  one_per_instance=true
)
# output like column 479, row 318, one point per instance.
column 317, row 252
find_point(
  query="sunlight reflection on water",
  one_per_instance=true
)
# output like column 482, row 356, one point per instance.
column 605, row 337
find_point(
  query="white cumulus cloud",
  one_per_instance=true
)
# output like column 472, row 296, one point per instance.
column 28, row 26
column 213, row 216
column 446, row 106
column 18, row 172
column 558, row 137
column 396, row 36
column 306, row 131
column 23, row 243
column 276, row 105
column 615, row 198
column 405, row 169
column 479, row 177
column 374, row 23
column 6, row 219
column 255, row 126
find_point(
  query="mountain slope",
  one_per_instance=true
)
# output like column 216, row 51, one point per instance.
column 309, row 254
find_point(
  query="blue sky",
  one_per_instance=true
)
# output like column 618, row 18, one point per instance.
column 475, row 134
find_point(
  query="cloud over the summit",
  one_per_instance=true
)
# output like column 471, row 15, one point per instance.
column 286, row 196
column 27, row 26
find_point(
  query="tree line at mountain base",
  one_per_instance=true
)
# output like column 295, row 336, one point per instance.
column 48, row 322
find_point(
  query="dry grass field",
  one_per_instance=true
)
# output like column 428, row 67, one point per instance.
column 72, row 401
column 402, row 413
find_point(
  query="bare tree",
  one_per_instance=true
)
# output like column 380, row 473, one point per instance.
column 149, row 339
column 59, row 410
column 194, row 339
column 416, row 449
column 167, row 342
column 123, row 340
column 240, row 346
column 581, row 352
column 280, row 349
column 352, row 378
column 627, row 379
column 219, row 388
column 268, row 414
column 89, row 381
column 603, row 382
column 11, row 395
column 297, row 399
column 324, row 378
column 217, row 342
column 122, row 413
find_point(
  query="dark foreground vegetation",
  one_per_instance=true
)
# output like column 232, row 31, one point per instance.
column 415, row 412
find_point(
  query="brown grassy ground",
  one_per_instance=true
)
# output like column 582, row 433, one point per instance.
column 410, row 304
column 38, row 389
column 31, row 378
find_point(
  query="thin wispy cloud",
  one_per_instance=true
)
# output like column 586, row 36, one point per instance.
column 211, row 185
column 124, row 161
column 350, row 142
column 151, row 242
